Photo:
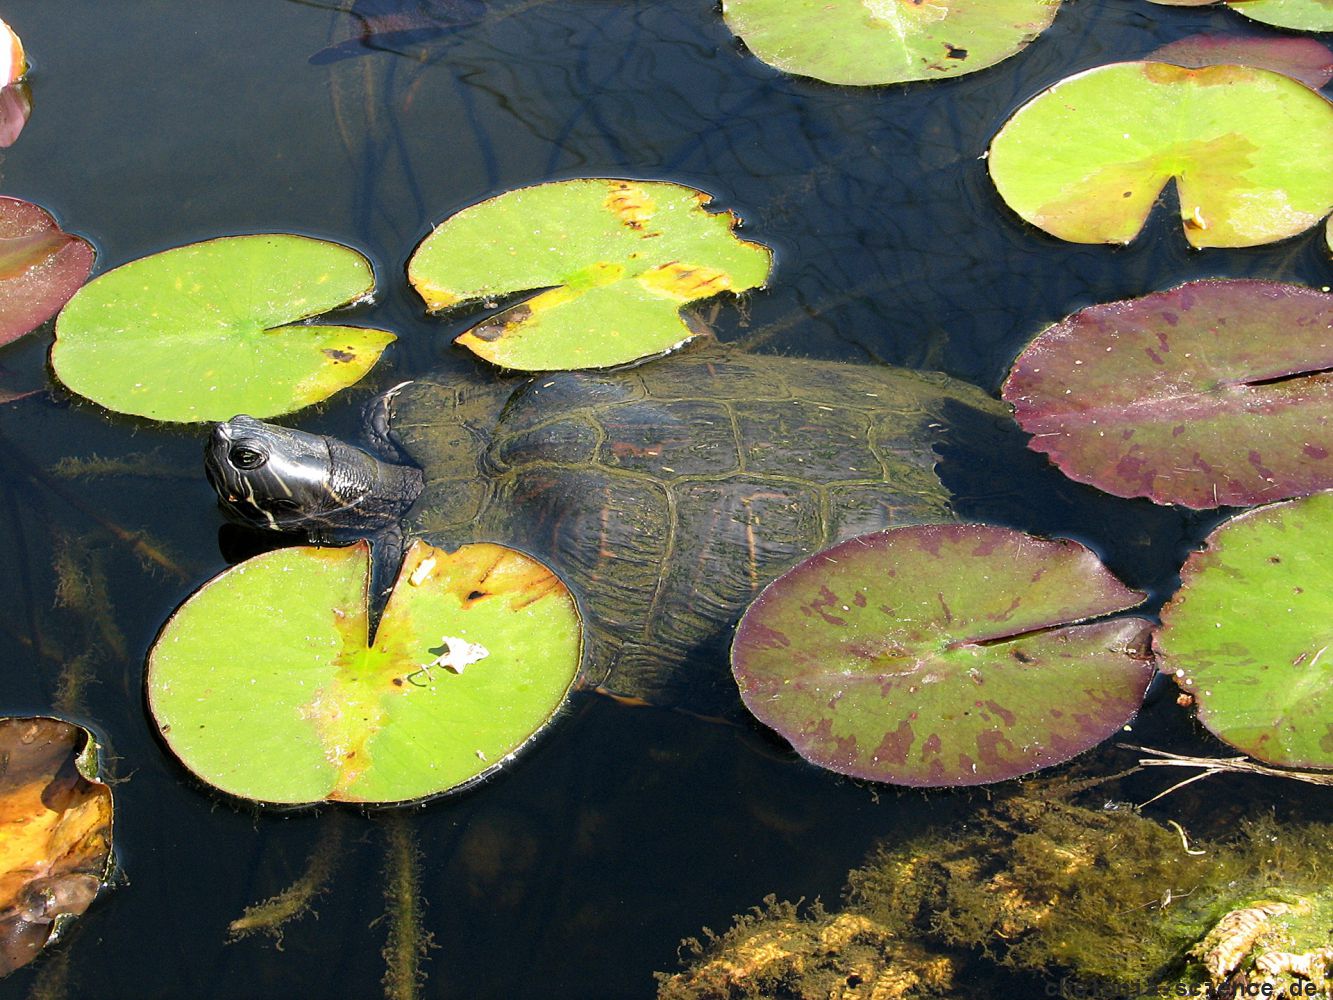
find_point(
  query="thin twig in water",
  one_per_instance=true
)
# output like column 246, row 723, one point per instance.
column 1218, row 765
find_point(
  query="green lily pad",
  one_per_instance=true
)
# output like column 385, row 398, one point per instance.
column 1301, row 15
column 1215, row 392
column 55, row 832
column 40, row 267
column 1250, row 632
column 1301, row 59
column 943, row 654
column 863, row 42
column 617, row 259
column 274, row 692
column 205, row 331
column 1248, row 148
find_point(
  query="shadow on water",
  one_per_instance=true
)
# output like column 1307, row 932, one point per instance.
column 576, row 873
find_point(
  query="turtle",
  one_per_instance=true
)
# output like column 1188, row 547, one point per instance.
column 666, row 494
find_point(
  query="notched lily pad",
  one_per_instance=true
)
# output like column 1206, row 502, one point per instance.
column 617, row 259
column 943, row 654
column 40, row 266
column 1302, row 59
column 864, row 42
column 204, row 331
column 1250, row 632
column 55, row 832
column 1248, row 149
column 1215, row 392
column 265, row 683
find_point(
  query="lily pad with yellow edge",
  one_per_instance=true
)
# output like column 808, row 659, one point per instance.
column 1248, row 149
column 610, row 263
column 209, row 330
column 268, row 684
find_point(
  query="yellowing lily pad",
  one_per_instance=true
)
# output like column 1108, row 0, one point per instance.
column 864, row 42
column 617, row 259
column 266, row 684
column 1249, row 150
column 1249, row 635
column 205, row 331
column 943, row 654
column 55, row 832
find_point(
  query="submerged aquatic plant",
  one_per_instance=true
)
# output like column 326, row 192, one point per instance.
column 1044, row 886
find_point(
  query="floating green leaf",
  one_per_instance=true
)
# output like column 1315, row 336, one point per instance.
column 273, row 692
column 1215, row 392
column 40, row 267
column 205, row 331
column 55, row 832
column 1301, row 59
column 864, row 42
column 618, row 260
column 1250, row 632
column 943, row 655
column 1249, row 151
column 1302, row 15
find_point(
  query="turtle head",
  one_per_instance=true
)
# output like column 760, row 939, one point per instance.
column 279, row 479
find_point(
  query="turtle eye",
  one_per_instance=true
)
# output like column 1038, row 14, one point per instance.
column 246, row 458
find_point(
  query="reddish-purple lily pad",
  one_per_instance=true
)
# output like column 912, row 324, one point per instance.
column 40, row 267
column 1301, row 59
column 15, row 107
column 1215, row 392
column 943, row 654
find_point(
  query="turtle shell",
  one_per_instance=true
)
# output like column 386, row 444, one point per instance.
column 668, row 494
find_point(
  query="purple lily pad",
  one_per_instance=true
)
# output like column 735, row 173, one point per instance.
column 1302, row 59
column 1215, row 392
column 40, row 267
column 15, row 107
column 943, row 654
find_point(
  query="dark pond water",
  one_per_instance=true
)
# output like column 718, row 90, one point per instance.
column 577, row 873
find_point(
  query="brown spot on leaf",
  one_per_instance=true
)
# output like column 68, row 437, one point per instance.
column 631, row 204
column 896, row 744
column 338, row 355
column 685, row 282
